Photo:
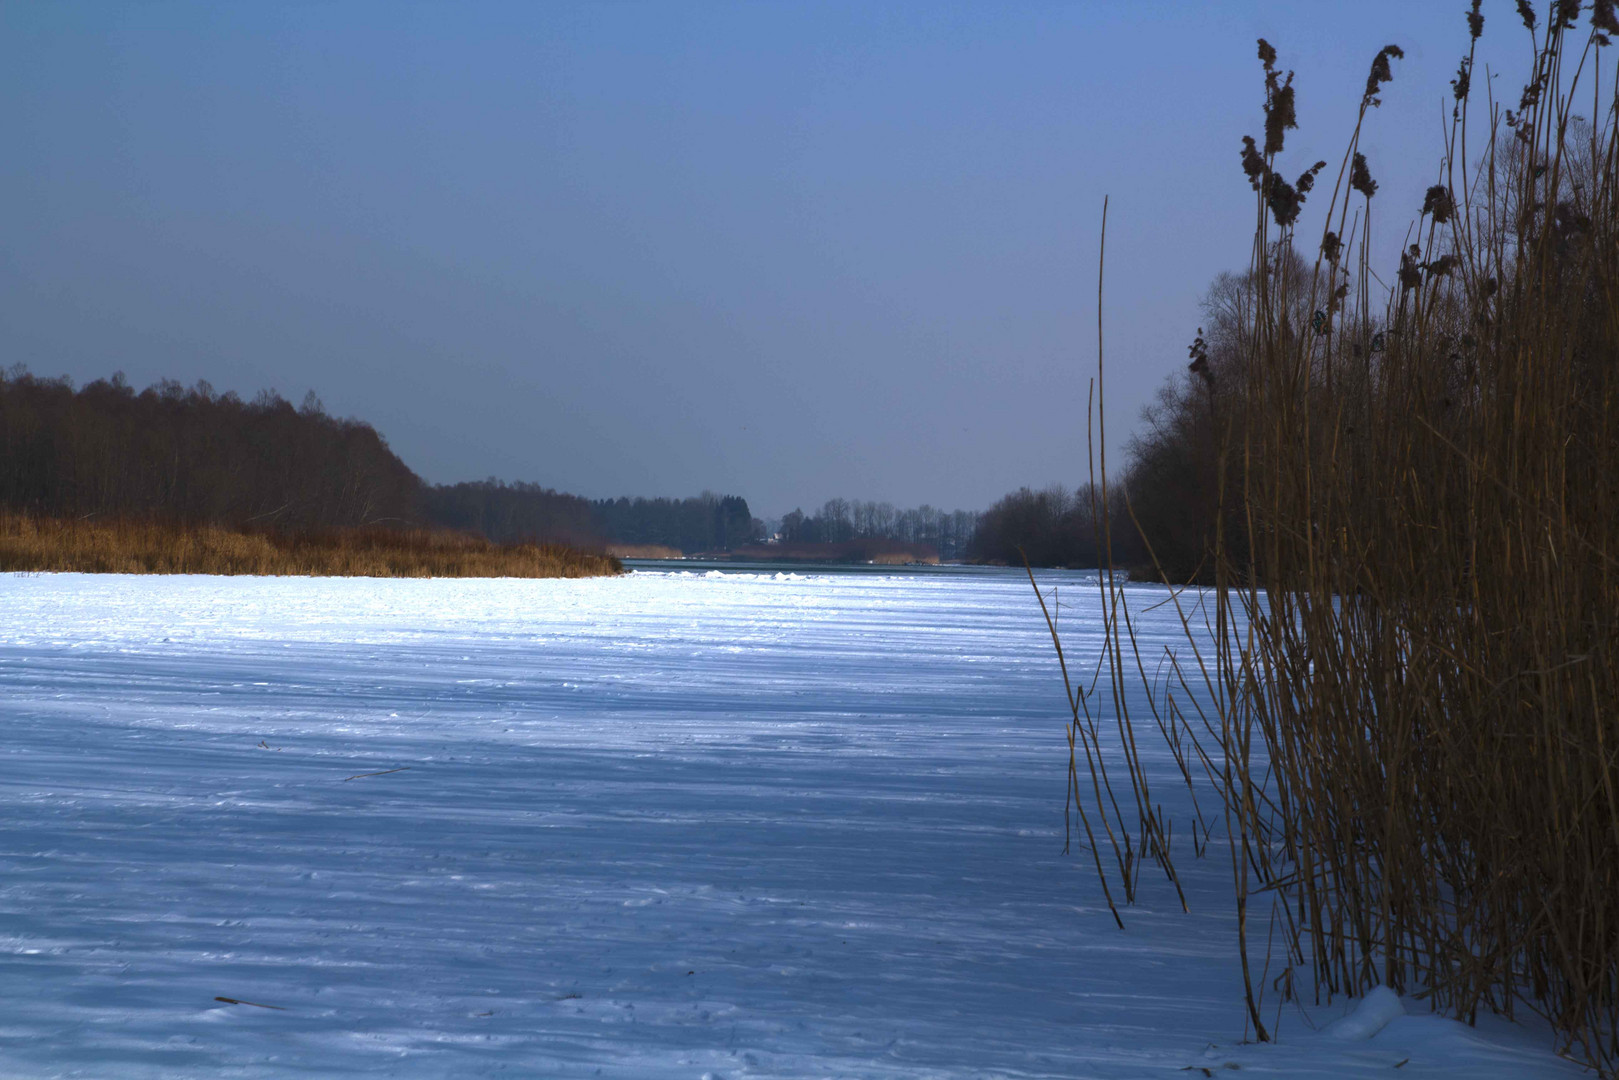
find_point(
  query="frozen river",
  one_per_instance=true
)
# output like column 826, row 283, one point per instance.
column 666, row 825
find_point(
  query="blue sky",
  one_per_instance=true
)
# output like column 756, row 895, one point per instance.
column 789, row 251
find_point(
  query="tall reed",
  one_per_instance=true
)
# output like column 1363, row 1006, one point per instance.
column 1404, row 684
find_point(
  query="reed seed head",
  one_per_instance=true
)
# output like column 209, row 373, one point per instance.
column 1284, row 200
column 1279, row 116
column 1199, row 352
column 1604, row 18
column 1442, row 266
column 1531, row 95
column 1381, row 73
column 1360, row 177
column 1439, row 203
column 1306, row 180
column 1253, row 164
column 1411, row 268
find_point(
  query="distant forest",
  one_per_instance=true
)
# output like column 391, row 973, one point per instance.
column 1171, row 488
column 1055, row 527
column 509, row 512
column 192, row 455
column 839, row 521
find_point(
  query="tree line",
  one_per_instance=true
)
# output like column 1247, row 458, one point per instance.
column 1055, row 527
column 195, row 456
column 839, row 521
column 706, row 522
column 508, row 513
column 1165, row 509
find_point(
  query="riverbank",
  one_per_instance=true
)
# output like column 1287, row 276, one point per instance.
column 149, row 547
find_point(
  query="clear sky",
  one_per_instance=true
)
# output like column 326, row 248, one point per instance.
column 782, row 250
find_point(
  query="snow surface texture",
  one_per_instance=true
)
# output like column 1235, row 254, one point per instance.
column 668, row 825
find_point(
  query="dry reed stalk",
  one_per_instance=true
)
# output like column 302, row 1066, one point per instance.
column 1406, row 695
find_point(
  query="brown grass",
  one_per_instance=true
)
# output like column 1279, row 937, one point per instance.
column 1410, row 707
column 149, row 547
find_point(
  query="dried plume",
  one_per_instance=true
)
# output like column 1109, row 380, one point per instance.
column 1360, row 177
column 1381, row 73
column 1603, row 17
column 1253, row 163
column 1284, row 200
column 1442, row 266
column 1439, row 203
column 1279, row 116
column 1411, row 268
column 1199, row 352
column 1306, row 180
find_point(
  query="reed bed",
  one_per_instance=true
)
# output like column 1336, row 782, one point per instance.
column 1403, row 687
column 153, row 547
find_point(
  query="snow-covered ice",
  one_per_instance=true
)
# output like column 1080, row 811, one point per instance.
column 667, row 825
